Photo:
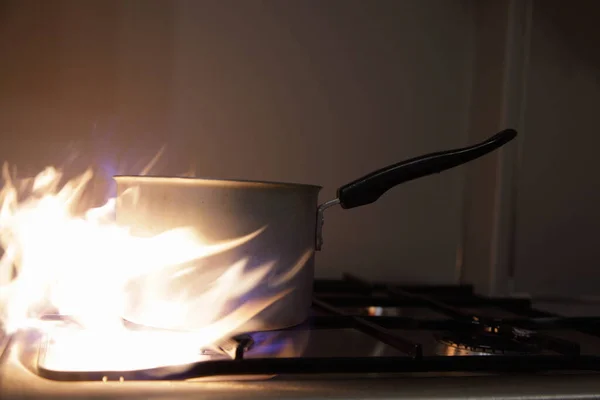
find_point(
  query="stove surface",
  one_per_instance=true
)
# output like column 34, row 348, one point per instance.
column 362, row 341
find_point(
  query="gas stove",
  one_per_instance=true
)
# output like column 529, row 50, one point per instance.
column 363, row 340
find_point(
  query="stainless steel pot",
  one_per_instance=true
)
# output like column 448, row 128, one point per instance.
column 287, row 227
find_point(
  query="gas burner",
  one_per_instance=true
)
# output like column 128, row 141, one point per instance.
column 234, row 347
column 490, row 341
column 67, row 347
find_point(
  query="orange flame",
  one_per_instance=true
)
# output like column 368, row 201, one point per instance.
column 58, row 262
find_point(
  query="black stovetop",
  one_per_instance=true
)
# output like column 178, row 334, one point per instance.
column 360, row 327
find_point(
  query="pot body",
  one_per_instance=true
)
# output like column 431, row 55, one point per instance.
column 221, row 210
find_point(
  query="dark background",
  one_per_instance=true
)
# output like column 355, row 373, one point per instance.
column 323, row 92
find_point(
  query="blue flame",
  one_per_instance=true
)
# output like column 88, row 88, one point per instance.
column 268, row 343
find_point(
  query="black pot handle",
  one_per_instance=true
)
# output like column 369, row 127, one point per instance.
column 371, row 187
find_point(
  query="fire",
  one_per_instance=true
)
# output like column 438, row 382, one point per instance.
column 57, row 262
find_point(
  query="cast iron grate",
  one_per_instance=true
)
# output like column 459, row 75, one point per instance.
column 332, row 298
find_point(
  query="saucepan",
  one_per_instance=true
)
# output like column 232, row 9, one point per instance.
column 285, row 225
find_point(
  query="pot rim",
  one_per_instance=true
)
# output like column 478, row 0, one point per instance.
column 211, row 181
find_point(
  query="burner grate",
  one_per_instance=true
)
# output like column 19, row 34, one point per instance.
column 524, row 338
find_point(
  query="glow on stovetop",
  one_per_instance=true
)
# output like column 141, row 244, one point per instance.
column 87, row 351
column 69, row 348
column 17, row 382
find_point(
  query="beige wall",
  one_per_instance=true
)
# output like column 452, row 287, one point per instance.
column 558, row 217
column 502, row 31
column 307, row 91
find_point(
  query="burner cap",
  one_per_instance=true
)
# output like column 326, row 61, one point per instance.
column 489, row 342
